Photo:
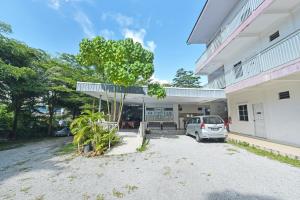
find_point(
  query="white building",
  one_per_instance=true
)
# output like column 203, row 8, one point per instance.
column 253, row 51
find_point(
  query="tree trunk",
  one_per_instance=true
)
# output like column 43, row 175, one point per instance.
column 73, row 113
column 115, row 104
column 13, row 133
column 51, row 114
column 121, row 107
column 108, row 105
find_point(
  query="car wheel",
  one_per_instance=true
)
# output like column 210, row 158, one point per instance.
column 198, row 139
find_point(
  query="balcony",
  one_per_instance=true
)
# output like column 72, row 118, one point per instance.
column 218, row 83
column 282, row 52
column 227, row 30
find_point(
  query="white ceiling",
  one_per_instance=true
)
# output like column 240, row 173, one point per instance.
column 210, row 20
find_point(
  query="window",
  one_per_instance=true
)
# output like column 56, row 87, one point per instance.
column 196, row 120
column 238, row 70
column 284, row 95
column 212, row 120
column 243, row 113
column 274, row 36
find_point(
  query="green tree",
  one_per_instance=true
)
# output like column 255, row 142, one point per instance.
column 122, row 63
column 5, row 28
column 19, row 74
column 186, row 79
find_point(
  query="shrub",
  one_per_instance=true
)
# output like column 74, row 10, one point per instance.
column 88, row 129
column 5, row 119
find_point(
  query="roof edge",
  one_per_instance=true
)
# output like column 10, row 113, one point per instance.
column 203, row 8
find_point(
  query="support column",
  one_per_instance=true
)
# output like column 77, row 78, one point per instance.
column 143, row 117
column 100, row 103
column 176, row 115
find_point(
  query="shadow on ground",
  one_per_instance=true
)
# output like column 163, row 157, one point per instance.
column 30, row 158
column 158, row 136
column 233, row 195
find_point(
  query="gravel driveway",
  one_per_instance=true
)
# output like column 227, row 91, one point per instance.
column 174, row 167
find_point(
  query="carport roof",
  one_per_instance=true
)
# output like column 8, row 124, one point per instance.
column 139, row 94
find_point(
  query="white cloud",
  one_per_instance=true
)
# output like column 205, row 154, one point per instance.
column 156, row 80
column 107, row 34
column 87, row 26
column 122, row 20
column 55, row 4
column 151, row 45
column 139, row 36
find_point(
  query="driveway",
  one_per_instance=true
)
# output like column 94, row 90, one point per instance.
column 174, row 167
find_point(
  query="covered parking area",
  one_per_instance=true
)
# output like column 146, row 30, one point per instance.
column 172, row 111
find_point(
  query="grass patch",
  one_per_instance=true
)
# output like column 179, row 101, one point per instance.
column 72, row 177
column 270, row 155
column 40, row 197
column 25, row 189
column 67, row 149
column 167, row 171
column 232, row 150
column 144, row 146
column 100, row 197
column 117, row 193
column 131, row 188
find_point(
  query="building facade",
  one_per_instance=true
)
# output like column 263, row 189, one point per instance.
column 177, row 107
column 253, row 52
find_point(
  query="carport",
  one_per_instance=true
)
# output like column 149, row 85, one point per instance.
column 179, row 104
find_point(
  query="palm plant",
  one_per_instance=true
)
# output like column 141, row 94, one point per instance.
column 88, row 129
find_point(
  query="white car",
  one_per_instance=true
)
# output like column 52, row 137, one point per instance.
column 206, row 127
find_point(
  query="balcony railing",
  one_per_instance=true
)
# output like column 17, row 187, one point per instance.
column 218, row 83
column 282, row 52
column 226, row 31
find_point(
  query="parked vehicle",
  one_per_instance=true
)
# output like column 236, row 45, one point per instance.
column 207, row 127
column 63, row 132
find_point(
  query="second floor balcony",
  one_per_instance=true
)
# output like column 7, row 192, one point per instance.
column 284, row 51
column 242, row 13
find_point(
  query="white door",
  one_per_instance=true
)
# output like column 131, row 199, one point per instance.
column 259, row 120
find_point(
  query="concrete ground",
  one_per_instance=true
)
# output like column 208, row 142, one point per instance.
column 285, row 150
column 174, row 167
column 130, row 141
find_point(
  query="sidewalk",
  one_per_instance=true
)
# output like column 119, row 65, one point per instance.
column 130, row 141
column 285, row 150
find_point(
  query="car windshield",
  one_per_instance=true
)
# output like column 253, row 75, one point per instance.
column 212, row 120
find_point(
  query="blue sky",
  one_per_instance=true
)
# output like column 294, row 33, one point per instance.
column 162, row 26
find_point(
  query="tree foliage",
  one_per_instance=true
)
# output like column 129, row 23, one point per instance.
column 30, row 77
column 123, row 63
column 186, row 79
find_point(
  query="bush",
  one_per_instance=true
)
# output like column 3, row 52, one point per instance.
column 87, row 129
column 32, row 126
column 5, row 119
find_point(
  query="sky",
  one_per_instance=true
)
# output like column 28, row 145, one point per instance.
column 58, row 26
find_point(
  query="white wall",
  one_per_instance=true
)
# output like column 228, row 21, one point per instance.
column 216, row 108
column 282, row 117
column 285, row 25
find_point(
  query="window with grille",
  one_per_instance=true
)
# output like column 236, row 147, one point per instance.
column 284, row 95
column 243, row 113
column 274, row 36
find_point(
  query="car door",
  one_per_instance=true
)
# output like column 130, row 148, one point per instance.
column 189, row 126
column 196, row 125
